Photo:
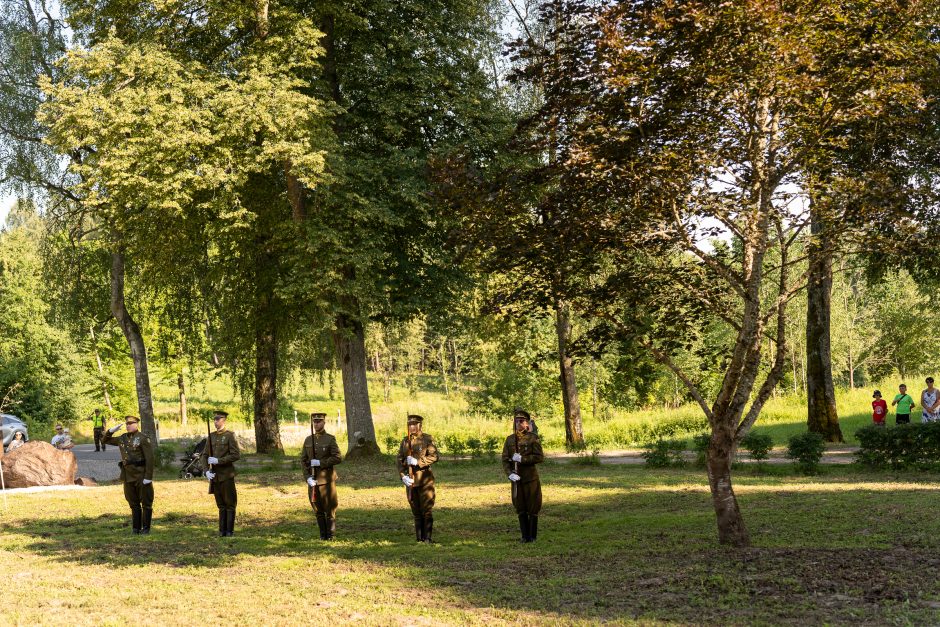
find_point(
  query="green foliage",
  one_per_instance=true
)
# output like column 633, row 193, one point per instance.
column 40, row 374
column 165, row 455
column 914, row 446
column 584, row 457
column 758, row 445
column 664, row 453
column 806, row 449
column 700, row 445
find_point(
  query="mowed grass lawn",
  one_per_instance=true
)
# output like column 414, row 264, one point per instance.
column 616, row 543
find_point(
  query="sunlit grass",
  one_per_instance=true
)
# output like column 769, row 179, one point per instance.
column 621, row 544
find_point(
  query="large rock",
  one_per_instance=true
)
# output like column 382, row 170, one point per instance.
column 38, row 463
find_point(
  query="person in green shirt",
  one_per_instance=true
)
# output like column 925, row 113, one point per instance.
column 905, row 404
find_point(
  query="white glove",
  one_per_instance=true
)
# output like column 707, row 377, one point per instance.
column 408, row 481
column 213, row 460
column 210, row 475
column 310, row 481
column 411, row 461
column 514, row 477
column 516, row 457
column 148, row 481
column 115, row 428
column 314, row 463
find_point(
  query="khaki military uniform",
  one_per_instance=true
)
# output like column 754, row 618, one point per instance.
column 322, row 495
column 223, row 445
column 137, row 462
column 421, row 494
column 527, row 491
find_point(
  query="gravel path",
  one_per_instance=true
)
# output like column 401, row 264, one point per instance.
column 100, row 466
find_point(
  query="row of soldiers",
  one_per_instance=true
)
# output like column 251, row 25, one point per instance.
column 319, row 457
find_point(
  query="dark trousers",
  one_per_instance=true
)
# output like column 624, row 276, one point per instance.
column 422, row 500
column 226, row 496
column 527, row 497
column 902, row 419
column 99, row 438
column 140, row 498
column 324, row 502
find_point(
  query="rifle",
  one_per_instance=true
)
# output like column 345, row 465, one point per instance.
column 515, row 466
column 209, row 446
column 411, row 472
column 313, row 455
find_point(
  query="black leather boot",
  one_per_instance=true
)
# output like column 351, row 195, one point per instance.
column 330, row 528
column 533, row 528
column 135, row 520
column 419, row 529
column 145, row 521
column 524, row 527
column 223, row 523
column 321, row 525
column 428, row 529
column 230, row 523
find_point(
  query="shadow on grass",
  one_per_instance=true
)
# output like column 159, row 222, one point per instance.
column 611, row 546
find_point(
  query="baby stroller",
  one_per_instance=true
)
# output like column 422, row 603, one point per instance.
column 191, row 466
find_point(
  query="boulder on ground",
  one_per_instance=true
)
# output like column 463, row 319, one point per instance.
column 38, row 463
column 88, row 482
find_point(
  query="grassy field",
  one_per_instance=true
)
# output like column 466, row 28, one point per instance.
column 616, row 543
column 781, row 418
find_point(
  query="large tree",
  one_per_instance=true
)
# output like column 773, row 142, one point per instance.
column 701, row 120
column 407, row 81
column 195, row 133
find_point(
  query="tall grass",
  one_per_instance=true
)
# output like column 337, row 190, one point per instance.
column 782, row 417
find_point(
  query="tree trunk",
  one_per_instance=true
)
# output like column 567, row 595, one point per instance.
column 822, row 416
column 574, row 432
column 442, row 361
column 104, row 381
column 181, row 384
column 731, row 528
column 267, row 430
column 135, row 341
column 351, row 353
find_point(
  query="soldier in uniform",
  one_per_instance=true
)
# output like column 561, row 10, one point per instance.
column 218, row 460
column 521, row 452
column 137, row 462
column 415, row 456
column 319, row 455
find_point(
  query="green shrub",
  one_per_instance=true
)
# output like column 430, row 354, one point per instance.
column 758, row 445
column 391, row 444
column 165, row 455
column 806, row 449
column 584, row 458
column 491, row 445
column 904, row 446
column 700, row 444
column 454, row 444
column 664, row 453
column 475, row 447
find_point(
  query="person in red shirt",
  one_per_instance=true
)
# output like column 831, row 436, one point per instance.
column 879, row 408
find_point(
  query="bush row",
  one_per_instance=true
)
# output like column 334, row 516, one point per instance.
column 904, row 446
column 805, row 450
column 457, row 445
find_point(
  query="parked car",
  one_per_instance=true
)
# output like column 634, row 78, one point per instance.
column 9, row 425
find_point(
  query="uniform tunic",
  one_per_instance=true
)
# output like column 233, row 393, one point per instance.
column 422, row 448
column 224, row 447
column 323, row 495
column 137, row 461
column 527, row 492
